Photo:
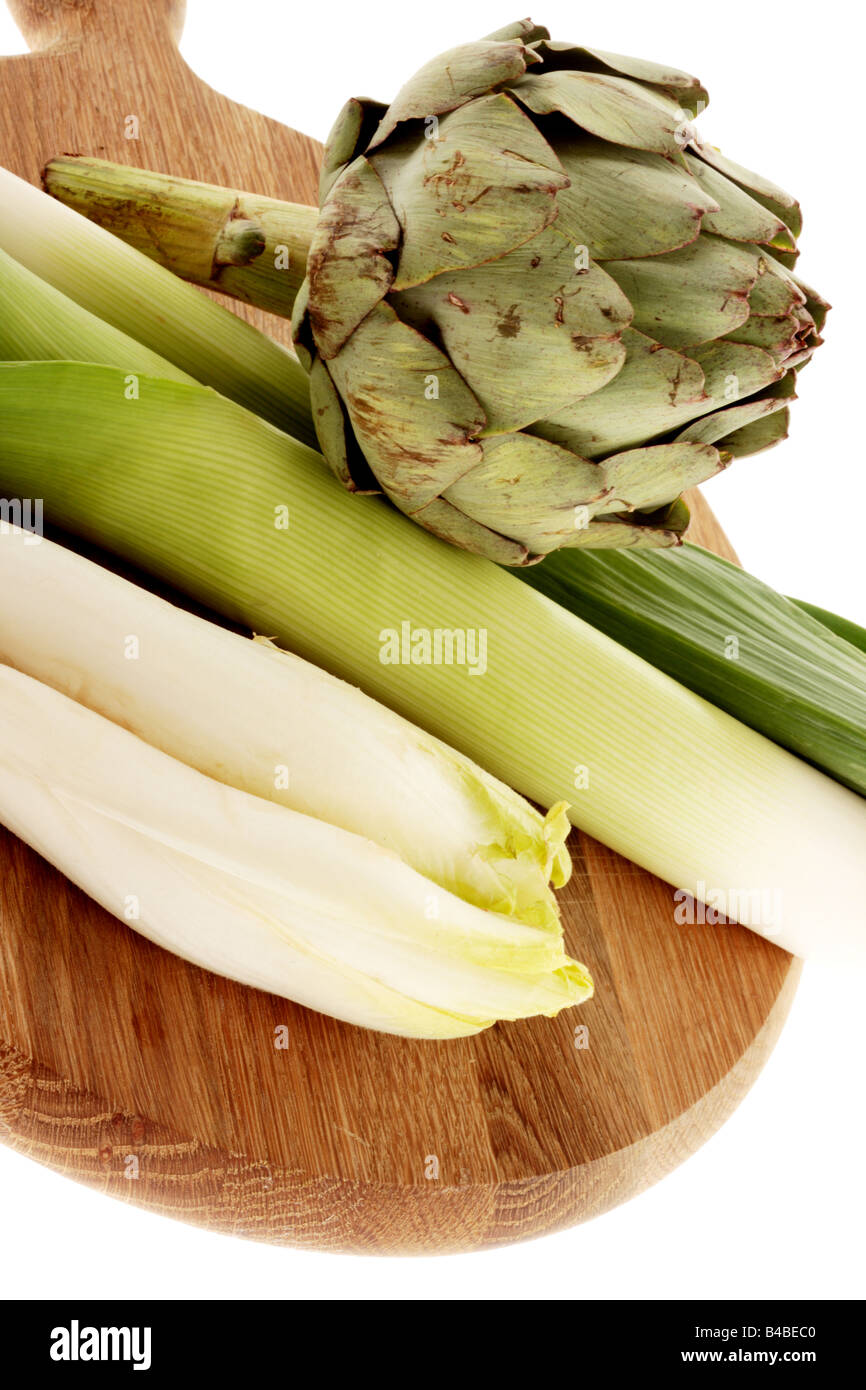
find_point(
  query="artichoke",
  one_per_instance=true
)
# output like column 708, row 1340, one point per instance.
column 537, row 308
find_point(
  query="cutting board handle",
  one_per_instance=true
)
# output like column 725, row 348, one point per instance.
column 45, row 23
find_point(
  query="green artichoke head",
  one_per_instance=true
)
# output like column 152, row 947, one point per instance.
column 537, row 308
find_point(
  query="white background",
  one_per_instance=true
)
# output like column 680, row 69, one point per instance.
column 773, row 1205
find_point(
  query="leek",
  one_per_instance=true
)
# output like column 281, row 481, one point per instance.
column 850, row 632
column 129, row 291
column 731, row 638
column 200, row 493
column 258, row 892
column 281, row 729
column 39, row 323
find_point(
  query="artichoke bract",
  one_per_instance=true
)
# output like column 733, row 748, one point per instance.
column 537, row 308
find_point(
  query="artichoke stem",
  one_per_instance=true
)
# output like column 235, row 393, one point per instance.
column 250, row 247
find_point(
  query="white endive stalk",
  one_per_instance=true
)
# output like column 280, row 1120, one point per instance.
column 268, row 723
column 258, row 892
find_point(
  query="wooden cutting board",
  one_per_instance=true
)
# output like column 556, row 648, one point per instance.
column 161, row 1084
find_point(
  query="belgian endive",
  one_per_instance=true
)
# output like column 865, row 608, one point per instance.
column 264, row 820
column 266, row 722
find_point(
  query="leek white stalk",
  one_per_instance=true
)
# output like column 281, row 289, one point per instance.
column 38, row 323
column 145, row 301
column 260, row 893
column 185, row 484
column 275, row 726
column 791, row 676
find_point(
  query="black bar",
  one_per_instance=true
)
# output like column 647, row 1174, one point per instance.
column 247, row 1339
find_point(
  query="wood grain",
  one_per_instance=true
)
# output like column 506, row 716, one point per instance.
column 160, row 1084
